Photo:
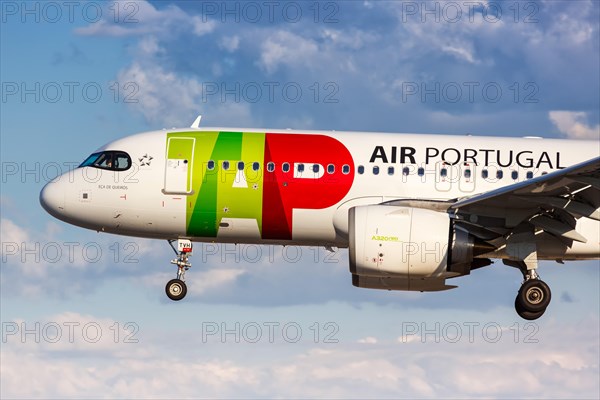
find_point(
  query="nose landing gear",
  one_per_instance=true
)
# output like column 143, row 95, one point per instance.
column 176, row 289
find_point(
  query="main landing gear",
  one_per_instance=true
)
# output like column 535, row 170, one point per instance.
column 533, row 298
column 176, row 289
column 534, row 294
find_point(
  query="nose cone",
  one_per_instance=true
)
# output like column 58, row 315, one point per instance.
column 52, row 198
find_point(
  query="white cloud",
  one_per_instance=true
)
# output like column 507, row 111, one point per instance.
column 202, row 26
column 563, row 364
column 570, row 25
column 172, row 100
column 168, row 98
column 72, row 331
column 286, row 48
column 38, row 252
column 149, row 47
column 574, row 125
column 203, row 282
column 145, row 19
column 38, row 262
column 353, row 39
column 163, row 96
column 408, row 339
column 368, row 340
column 11, row 233
column 422, row 34
column 230, row 43
column 133, row 376
column 460, row 52
column 104, row 28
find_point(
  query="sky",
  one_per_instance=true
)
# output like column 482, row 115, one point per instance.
column 84, row 314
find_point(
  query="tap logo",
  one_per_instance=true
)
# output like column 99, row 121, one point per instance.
column 261, row 177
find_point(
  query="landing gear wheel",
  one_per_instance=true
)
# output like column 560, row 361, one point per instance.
column 176, row 289
column 534, row 295
column 528, row 315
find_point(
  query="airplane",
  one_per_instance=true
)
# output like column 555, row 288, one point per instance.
column 414, row 210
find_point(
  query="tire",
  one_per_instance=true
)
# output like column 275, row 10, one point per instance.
column 528, row 315
column 176, row 289
column 534, row 296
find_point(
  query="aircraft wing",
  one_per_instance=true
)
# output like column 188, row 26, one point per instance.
column 550, row 202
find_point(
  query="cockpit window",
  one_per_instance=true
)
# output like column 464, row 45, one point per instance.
column 113, row 160
column 90, row 160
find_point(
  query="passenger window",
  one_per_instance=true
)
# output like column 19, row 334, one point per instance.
column 210, row 165
column 315, row 168
column 300, row 167
column 421, row 171
column 514, row 175
column 405, row 171
column 390, row 170
column 345, row 169
column 529, row 174
column 270, row 166
column 330, row 169
column 484, row 174
column 467, row 173
column 240, row 166
column 285, row 167
column 225, row 165
column 499, row 174
column 375, row 170
column 361, row 169
column 444, row 172
column 255, row 166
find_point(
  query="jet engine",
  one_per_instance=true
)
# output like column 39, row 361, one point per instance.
column 407, row 248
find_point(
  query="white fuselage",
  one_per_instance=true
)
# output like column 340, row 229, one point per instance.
column 209, row 186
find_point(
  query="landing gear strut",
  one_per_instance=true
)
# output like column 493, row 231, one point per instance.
column 176, row 289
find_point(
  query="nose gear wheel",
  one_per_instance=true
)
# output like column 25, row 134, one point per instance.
column 176, row 289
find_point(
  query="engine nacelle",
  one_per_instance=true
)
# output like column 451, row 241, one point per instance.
column 407, row 243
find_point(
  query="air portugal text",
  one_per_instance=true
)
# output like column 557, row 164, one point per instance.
column 453, row 156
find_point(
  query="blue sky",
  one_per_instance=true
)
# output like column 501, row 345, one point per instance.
column 77, row 75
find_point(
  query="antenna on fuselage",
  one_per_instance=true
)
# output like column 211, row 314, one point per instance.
column 196, row 123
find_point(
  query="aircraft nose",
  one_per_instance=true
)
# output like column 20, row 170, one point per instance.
column 52, row 199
